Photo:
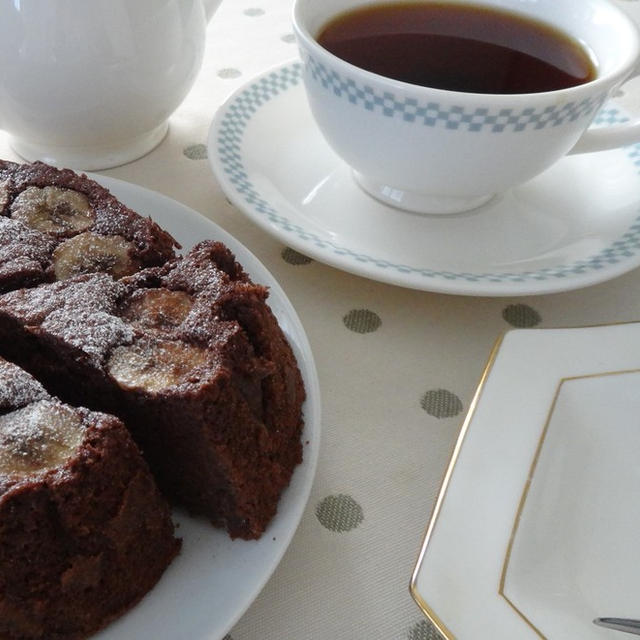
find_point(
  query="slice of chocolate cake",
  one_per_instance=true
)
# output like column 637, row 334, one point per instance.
column 192, row 359
column 55, row 223
column 84, row 532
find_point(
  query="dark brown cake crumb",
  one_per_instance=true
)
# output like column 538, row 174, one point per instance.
column 186, row 351
column 84, row 532
column 192, row 359
column 25, row 255
column 18, row 388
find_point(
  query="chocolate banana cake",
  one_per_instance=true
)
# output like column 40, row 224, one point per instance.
column 84, row 531
column 192, row 359
column 55, row 223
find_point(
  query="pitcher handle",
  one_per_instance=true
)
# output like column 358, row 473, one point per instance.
column 210, row 7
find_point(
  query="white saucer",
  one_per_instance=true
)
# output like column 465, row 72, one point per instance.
column 573, row 226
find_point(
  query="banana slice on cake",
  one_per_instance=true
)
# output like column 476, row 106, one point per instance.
column 4, row 194
column 40, row 436
column 155, row 365
column 159, row 309
column 54, row 210
column 90, row 252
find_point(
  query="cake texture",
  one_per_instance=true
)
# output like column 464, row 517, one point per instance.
column 190, row 356
column 55, row 223
column 84, row 532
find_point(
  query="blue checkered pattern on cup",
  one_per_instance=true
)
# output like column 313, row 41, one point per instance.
column 432, row 114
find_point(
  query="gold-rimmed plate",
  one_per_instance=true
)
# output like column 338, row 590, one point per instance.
column 534, row 532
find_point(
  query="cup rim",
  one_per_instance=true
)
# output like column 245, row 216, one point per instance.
column 601, row 82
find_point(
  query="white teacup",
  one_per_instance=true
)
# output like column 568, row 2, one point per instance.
column 90, row 84
column 438, row 151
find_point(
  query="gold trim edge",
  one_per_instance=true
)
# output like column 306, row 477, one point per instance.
column 426, row 609
column 413, row 589
column 527, row 486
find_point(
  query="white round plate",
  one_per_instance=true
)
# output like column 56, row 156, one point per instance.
column 575, row 225
column 214, row 579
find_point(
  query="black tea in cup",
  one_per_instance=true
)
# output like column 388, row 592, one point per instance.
column 458, row 47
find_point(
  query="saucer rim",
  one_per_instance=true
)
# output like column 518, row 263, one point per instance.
column 430, row 279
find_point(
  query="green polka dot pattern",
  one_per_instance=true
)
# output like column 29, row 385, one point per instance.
column 423, row 630
column 339, row 513
column 362, row 321
column 441, row 403
column 521, row 316
column 291, row 256
column 229, row 73
column 196, row 152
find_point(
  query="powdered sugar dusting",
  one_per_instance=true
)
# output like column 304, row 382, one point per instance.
column 208, row 266
column 18, row 388
column 97, row 292
column 19, row 242
column 40, row 436
column 80, row 311
column 94, row 332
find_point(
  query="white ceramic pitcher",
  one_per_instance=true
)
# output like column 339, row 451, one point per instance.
column 90, row 84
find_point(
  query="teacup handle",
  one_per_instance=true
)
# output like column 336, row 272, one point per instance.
column 602, row 138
